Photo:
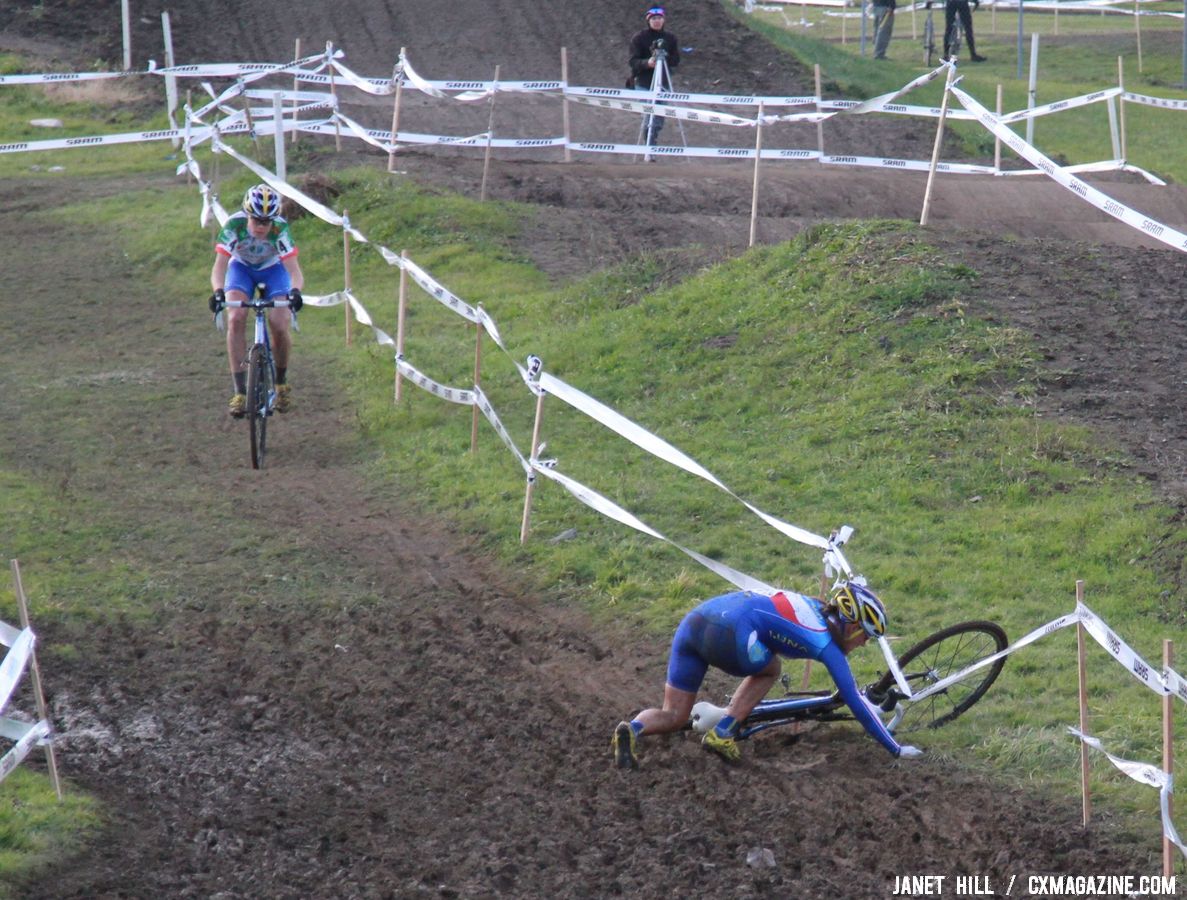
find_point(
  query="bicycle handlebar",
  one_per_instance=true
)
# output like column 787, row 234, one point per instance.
column 256, row 304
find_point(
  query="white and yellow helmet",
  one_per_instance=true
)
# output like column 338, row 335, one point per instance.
column 857, row 604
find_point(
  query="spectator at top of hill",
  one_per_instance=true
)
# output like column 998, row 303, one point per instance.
column 654, row 50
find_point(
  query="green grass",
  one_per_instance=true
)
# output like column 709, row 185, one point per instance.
column 1083, row 58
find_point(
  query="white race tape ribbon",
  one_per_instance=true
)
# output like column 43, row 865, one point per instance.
column 36, row 734
column 1121, row 651
column 1146, row 774
column 1085, row 191
column 14, row 664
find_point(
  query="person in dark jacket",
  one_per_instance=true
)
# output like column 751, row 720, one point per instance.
column 654, row 49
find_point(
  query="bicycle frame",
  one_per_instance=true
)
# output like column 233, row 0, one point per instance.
column 260, row 371
column 941, row 667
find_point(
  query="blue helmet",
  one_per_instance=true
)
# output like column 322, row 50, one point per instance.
column 859, row 605
column 655, row 11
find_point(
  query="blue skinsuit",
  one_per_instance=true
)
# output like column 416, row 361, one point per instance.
column 740, row 633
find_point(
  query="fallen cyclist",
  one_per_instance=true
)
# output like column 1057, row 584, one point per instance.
column 745, row 634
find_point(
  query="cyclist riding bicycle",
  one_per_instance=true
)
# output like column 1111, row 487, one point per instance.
column 254, row 248
column 744, row 634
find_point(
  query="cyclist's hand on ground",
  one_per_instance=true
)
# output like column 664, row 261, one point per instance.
column 296, row 301
column 217, row 299
column 906, row 751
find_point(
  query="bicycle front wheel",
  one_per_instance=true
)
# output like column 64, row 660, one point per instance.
column 259, row 390
column 942, row 654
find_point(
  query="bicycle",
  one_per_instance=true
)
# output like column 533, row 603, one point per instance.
column 928, row 663
column 954, row 43
column 261, row 369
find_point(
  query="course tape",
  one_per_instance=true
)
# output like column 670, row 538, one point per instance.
column 1146, row 774
column 14, row 664
column 661, row 449
column 38, row 733
column 1102, row 201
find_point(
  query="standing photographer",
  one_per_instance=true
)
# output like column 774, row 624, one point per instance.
column 651, row 48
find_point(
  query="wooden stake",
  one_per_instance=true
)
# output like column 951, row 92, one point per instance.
column 1168, row 755
column 251, row 125
column 754, row 192
column 997, row 142
column 490, row 128
column 346, row 269
column 527, row 499
column 403, row 304
column 1137, row 27
column 935, row 153
column 819, row 108
column 391, row 156
column 478, row 329
column 1082, row 668
column 334, row 94
column 296, row 87
column 38, row 693
column 565, row 101
column 1121, row 105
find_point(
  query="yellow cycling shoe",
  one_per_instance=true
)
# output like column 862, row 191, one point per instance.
column 624, row 746
column 725, row 747
column 237, row 406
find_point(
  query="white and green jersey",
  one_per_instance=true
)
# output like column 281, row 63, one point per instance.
column 237, row 242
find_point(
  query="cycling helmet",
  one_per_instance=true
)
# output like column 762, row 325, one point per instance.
column 261, row 202
column 655, row 11
column 858, row 604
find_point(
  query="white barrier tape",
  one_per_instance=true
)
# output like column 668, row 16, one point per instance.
column 132, row 137
column 288, row 96
column 1059, row 106
column 1164, row 233
column 251, row 71
column 1161, row 102
column 1175, row 684
column 661, row 449
column 664, row 108
column 904, row 109
column 426, row 87
column 60, row 77
column 484, row 404
column 372, row 86
column 35, row 735
column 318, row 209
column 442, row 294
column 1105, row 165
column 1121, row 651
column 14, row 729
column 1146, row 774
column 363, row 134
column 578, row 93
column 1027, row 639
column 612, row 510
column 8, row 634
column 14, row 664
column 461, row 396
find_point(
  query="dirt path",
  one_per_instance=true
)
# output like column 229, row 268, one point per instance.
column 355, row 707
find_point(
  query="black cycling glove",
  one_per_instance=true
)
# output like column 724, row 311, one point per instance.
column 217, row 300
column 296, row 301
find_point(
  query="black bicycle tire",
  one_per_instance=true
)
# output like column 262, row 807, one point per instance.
column 987, row 675
column 929, row 39
column 257, row 399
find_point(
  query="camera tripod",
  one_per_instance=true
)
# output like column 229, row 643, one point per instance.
column 661, row 83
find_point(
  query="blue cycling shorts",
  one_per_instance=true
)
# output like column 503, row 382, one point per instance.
column 717, row 633
column 241, row 277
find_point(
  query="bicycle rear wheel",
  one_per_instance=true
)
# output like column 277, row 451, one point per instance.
column 259, row 389
column 942, row 654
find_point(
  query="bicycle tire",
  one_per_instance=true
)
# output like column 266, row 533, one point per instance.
column 259, row 386
column 929, row 39
column 940, row 655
